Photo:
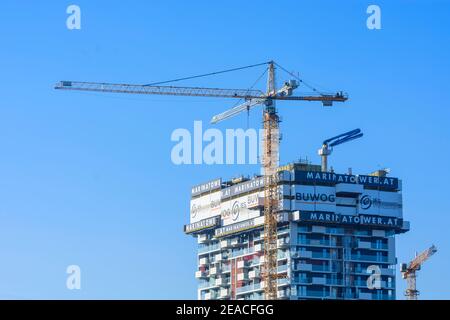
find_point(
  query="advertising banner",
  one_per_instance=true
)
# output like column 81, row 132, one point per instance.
column 242, row 208
column 381, row 203
column 243, row 187
column 205, row 206
column 202, row 224
column 206, row 187
column 314, row 198
column 329, row 177
column 361, row 219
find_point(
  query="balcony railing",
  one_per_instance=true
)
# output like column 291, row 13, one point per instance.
column 208, row 248
column 368, row 258
column 250, row 287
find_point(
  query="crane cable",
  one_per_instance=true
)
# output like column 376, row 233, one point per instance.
column 299, row 79
column 237, row 69
column 248, row 90
column 206, row 74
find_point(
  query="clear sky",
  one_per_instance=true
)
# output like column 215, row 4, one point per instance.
column 87, row 179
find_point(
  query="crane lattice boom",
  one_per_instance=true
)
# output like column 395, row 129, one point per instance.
column 421, row 258
column 188, row 91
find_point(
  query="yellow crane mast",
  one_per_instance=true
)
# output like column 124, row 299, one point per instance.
column 270, row 121
column 270, row 161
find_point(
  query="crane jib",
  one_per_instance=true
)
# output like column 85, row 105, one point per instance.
column 191, row 91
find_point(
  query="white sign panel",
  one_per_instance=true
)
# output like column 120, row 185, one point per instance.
column 241, row 209
column 205, row 207
column 380, row 203
column 314, row 198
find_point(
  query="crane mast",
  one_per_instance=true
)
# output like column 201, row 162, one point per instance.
column 270, row 121
column 270, row 164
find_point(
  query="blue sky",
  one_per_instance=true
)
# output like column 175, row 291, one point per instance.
column 87, row 178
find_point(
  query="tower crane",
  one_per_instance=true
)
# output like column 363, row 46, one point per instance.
column 270, row 121
column 327, row 145
column 409, row 272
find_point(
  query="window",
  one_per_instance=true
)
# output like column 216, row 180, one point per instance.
column 302, row 238
column 302, row 290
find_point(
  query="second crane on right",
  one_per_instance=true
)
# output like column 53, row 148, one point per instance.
column 409, row 272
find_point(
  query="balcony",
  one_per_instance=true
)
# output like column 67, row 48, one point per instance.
column 214, row 271
column 283, row 243
column 210, row 295
column 334, row 282
column 203, row 238
column 256, row 296
column 283, row 294
column 236, row 243
column 368, row 258
column 302, row 254
column 321, row 268
column 315, row 294
column 282, row 268
column 388, row 272
column 254, row 274
column 283, row 231
column 224, row 293
column 303, row 267
column 380, row 246
column 201, row 274
column 226, row 268
column 220, row 257
column 282, row 256
column 258, row 247
column 319, row 280
column 222, row 282
column 315, row 242
column 364, row 245
column 280, row 283
column 259, row 238
column 384, row 271
column 207, row 284
column 318, row 229
column 242, row 264
column 365, row 296
column 242, row 277
column 225, row 244
column 242, row 251
column 208, row 248
column 406, row 225
column 255, row 262
column 203, row 261
column 283, row 282
column 250, row 287
column 321, row 255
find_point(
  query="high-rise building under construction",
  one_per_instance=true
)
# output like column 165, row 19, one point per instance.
column 336, row 235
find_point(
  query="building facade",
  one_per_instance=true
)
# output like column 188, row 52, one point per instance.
column 336, row 235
